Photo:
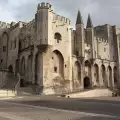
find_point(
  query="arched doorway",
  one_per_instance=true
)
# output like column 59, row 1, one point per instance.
column 58, row 63
column 57, row 68
column 4, row 52
column 110, row 76
column 87, row 68
column 22, row 83
column 10, row 68
column 77, row 75
column 96, row 73
column 86, row 83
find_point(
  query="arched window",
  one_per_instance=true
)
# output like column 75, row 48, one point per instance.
column 58, row 37
column 15, row 43
column 20, row 45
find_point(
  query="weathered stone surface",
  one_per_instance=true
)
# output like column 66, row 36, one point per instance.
column 47, row 48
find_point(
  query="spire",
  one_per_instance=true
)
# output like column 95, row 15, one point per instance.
column 79, row 18
column 89, row 22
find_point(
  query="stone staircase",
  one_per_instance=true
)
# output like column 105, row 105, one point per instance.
column 7, row 88
column 28, row 90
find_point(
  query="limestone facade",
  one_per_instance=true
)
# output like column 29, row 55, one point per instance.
column 49, row 53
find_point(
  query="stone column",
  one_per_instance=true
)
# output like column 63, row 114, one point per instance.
column 100, row 78
column 113, row 85
column 92, row 76
column 82, row 76
column 26, row 68
column 108, row 74
column 107, row 78
column 33, row 68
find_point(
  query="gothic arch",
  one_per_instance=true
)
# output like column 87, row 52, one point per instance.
column 58, row 63
column 4, row 46
column 110, row 75
column 96, row 73
column 5, row 41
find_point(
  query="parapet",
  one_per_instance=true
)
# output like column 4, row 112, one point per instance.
column 61, row 19
column 4, row 25
column 100, row 39
column 44, row 5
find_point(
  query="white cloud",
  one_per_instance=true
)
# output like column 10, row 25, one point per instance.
column 6, row 15
column 102, row 11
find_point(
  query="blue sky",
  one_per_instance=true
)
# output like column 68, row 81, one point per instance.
column 102, row 11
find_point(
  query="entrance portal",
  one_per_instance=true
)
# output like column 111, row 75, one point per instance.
column 22, row 83
column 86, row 83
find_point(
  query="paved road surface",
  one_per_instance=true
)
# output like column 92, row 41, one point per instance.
column 59, row 108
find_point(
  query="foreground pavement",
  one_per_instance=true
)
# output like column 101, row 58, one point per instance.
column 53, row 108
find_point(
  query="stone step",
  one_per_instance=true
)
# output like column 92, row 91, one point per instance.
column 7, row 93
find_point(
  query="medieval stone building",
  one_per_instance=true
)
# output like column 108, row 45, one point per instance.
column 48, row 54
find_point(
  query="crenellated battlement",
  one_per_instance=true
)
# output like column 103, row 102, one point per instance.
column 44, row 5
column 100, row 39
column 4, row 25
column 61, row 19
column 56, row 17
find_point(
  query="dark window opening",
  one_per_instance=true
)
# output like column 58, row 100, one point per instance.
column 77, row 53
column 20, row 45
column 57, row 36
column 4, row 48
column 1, row 60
column 86, row 83
column 55, row 69
column 104, row 49
column 52, row 57
column 65, row 66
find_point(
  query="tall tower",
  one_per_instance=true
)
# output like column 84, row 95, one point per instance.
column 79, row 35
column 90, row 35
column 43, row 21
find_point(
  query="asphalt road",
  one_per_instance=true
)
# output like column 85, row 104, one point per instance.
column 83, row 105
